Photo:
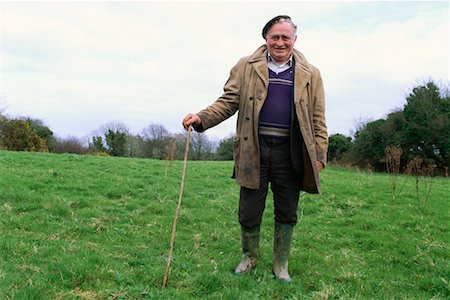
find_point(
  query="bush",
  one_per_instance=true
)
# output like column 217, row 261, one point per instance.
column 338, row 145
column 368, row 147
column 420, row 129
column 41, row 130
column 117, row 142
column 225, row 150
column 19, row 136
column 70, row 144
column 3, row 122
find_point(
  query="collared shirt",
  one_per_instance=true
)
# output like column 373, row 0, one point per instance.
column 276, row 67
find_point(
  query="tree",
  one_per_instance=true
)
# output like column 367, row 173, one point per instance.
column 39, row 127
column 201, row 146
column 116, row 142
column 111, row 138
column 135, row 146
column 156, row 139
column 41, row 130
column 338, row 144
column 19, row 136
column 368, row 147
column 180, row 141
column 225, row 149
column 3, row 122
column 427, row 124
column 155, row 132
column 97, row 145
column 69, row 144
column 393, row 129
column 420, row 129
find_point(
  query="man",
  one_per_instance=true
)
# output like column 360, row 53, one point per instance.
column 281, row 137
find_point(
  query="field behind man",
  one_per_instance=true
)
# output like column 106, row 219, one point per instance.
column 90, row 227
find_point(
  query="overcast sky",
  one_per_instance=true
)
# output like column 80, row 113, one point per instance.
column 79, row 65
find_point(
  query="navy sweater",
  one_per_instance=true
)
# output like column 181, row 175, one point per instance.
column 275, row 116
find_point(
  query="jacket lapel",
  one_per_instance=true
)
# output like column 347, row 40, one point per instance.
column 259, row 62
column 262, row 71
column 302, row 76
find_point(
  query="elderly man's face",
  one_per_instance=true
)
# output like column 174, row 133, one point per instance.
column 280, row 40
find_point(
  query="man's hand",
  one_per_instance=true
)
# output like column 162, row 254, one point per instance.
column 319, row 165
column 191, row 119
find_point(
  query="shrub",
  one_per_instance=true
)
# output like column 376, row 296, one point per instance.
column 225, row 150
column 19, row 136
column 338, row 145
column 70, row 144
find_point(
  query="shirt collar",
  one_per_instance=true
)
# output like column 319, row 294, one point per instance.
column 270, row 59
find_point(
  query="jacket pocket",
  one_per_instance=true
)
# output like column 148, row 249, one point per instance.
column 236, row 155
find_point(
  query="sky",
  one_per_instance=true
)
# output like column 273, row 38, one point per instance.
column 78, row 65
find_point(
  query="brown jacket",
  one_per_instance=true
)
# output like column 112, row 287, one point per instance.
column 245, row 91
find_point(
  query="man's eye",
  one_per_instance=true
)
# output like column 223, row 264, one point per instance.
column 277, row 37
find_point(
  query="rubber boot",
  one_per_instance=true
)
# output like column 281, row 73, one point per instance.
column 250, row 247
column 281, row 249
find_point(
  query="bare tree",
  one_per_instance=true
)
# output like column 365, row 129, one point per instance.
column 70, row 144
column 155, row 132
column 156, row 138
column 135, row 146
column 201, row 146
column 359, row 125
column 115, row 126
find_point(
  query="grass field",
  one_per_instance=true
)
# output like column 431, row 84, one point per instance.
column 86, row 227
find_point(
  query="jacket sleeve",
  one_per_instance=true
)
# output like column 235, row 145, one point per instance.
column 320, row 127
column 226, row 105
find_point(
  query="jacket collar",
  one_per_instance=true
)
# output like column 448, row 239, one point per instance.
column 259, row 61
column 302, row 73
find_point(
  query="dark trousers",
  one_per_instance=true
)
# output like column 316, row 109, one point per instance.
column 276, row 168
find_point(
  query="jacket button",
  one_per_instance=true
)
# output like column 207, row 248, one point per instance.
column 245, row 138
column 251, row 98
column 247, row 118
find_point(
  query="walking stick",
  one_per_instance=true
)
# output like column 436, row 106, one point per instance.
column 174, row 229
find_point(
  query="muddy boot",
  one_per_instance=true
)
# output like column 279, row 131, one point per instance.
column 250, row 246
column 281, row 248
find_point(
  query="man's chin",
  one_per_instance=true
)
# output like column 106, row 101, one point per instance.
column 280, row 58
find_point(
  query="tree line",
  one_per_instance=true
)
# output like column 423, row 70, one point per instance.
column 420, row 129
column 112, row 139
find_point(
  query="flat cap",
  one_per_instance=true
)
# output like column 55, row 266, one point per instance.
column 272, row 22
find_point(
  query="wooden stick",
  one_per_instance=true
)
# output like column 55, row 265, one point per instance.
column 177, row 213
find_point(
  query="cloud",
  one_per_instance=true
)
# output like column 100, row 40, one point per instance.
column 369, row 71
column 79, row 65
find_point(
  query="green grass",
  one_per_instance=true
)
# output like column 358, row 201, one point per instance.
column 85, row 227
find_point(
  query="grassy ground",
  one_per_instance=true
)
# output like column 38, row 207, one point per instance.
column 84, row 227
